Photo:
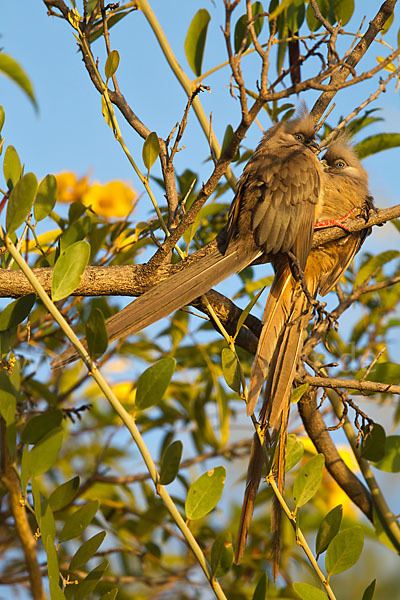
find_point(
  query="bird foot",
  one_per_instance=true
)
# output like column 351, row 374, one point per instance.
column 354, row 213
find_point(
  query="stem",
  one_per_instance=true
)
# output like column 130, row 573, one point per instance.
column 188, row 85
column 301, row 540
column 126, row 418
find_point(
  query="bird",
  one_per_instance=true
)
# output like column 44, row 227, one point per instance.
column 278, row 199
column 287, row 312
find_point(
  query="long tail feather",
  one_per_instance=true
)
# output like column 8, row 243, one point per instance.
column 171, row 294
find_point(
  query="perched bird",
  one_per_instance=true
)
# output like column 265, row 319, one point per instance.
column 277, row 202
column 288, row 311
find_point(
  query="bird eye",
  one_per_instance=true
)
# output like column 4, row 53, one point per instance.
column 299, row 137
column 340, row 164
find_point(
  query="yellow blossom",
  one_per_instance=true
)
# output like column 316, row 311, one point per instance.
column 113, row 199
column 71, row 189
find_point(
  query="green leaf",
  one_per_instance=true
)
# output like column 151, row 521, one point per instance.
column 344, row 550
column 388, row 24
column 10, row 67
column 76, row 232
column 377, row 143
column 110, row 23
column 309, row 592
column 295, row 15
column 385, row 372
column 20, row 201
column 152, row 384
column 329, row 527
column 107, row 110
column 374, row 443
column 64, row 494
column 170, row 462
column 294, row 451
column 40, row 425
column 56, row 592
column 112, row 63
column 246, row 311
column 86, row 551
column 69, row 269
column 96, row 334
column 343, row 10
column 85, row 587
column 390, row 67
column 46, row 197
column 11, row 167
column 231, row 369
column 308, row 480
column 8, row 396
column 299, row 392
column 2, row 117
column 151, row 150
column 222, row 554
column 16, row 312
column 373, row 264
column 260, row 593
column 196, row 39
column 228, row 137
column 391, row 461
column 369, row 591
column 44, row 454
column 241, row 27
column 204, row 493
column 78, row 521
column 326, row 11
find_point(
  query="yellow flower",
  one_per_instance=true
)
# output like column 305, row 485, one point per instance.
column 71, row 189
column 113, row 199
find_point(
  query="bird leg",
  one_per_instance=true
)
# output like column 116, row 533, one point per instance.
column 340, row 221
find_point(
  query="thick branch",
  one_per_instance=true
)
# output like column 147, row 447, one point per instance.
column 316, row 429
column 352, row 384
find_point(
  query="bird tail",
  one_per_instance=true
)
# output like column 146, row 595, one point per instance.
column 178, row 290
column 286, row 314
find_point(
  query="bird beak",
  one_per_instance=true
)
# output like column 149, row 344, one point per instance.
column 314, row 146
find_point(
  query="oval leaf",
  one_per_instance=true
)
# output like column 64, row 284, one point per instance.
column 374, row 443
column 369, row 591
column 260, row 593
column 391, row 461
column 374, row 263
column 10, row 67
column 152, row 384
column 309, row 592
column 64, row 494
column 329, row 527
column 46, row 197
column 170, row 462
column 86, row 551
column 2, row 117
column 16, row 312
column 222, row 554
column 69, row 269
column 96, row 334
column 377, row 143
column 40, row 425
column 84, row 589
column 196, row 39
column 343, row 10
column 294, row 451
column 151, row 150
column 44, row 454
column 112, row 63
column 298, row 393
column 308, row 480
column 204, row 493
column 241, row 28
column 11, row 167
column 20, row 201
column 78, row 521
column 344, row 550
column 231, row 369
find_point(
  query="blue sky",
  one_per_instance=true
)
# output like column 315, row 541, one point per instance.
column 69, row 132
